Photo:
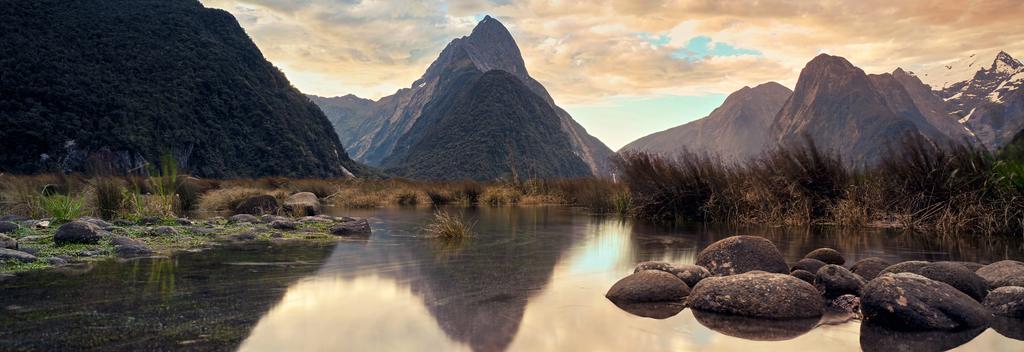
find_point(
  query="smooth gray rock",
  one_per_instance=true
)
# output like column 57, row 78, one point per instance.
column 690, row 274
column 10, row 254
column 103, row 225
column 869, row 268
column 14, row 218
column 8, row 242
column 757, row 294
column 1003, row 273
column 349, row 228
column 907, row 301
column 240, row 218
column 302, row 204
column 8, row 227
column 648, row 286
column 827, row 255
column 834, row 281
column 77, row 232
column 740, row 254
column 1006, row 301
column 954, row 274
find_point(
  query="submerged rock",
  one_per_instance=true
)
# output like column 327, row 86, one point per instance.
column 810, row 265
column 740, row 254
column 877, row 338
column 869, row 268
column 827, row 255
column 10, row 254
column 834, row 281
column 648, row 286
column 302, row 203
column 8, row 227
column 757, row 329
column 77, row 232
column 1006, row 301
column 910, row 302
column 354, row 227
column 690, row 274
column 1003, row 273
column 653, row 310
column 954, row 274
column 258, row 205
column 8, row 242
column 805, row 275
column 757, row 294
column 240, row 218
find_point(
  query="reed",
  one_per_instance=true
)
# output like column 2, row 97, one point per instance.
column 447, row 226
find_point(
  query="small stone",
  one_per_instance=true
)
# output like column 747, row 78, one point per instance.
column 243, row 218
column 10, row 254
column 128, row 247
column 8, row 227
column 827, row 255
column 306, row 219
column 149, row 220
column 103, row 225
column 648, row 286
column 284, row 225
column 834, row 281
column 355, row 227
column 163, row 231
column 1006, row 301
column 201, row 230
column 845, row 304
column 123, row 223
column 56, row 261
column 8, row 242
column 869, row 268
column 77, row 232
column 271, row 218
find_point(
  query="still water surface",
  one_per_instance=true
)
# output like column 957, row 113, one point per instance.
column 531, row 279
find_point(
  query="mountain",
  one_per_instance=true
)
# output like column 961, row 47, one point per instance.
column 844, row 110
column 348, row 114
column 932, row 107
column 737, row 130
column 991, row 102
column 128, row 81
column 398, row 124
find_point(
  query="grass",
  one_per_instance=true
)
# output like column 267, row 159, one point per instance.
column 447, row 226
column 62, row 208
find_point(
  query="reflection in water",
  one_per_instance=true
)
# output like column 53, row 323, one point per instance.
column 754, row 328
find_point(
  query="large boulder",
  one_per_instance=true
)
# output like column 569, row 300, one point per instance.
column 77, row 232
column 258, row 205
column 907, row 301
column 8, row 227
column 8, row 242
column 1003, row 273
column 869, row 268
column 757, row 294
column 350, row 228
column 808, row 264
column 740, row 254
column 690, row 274
column 648, row 286
column 827, row 255
column 954, row 274
column 302, row 204
column 1006, row 301
column 10, row 254
column 834, row 281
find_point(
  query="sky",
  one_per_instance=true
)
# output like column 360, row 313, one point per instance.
column 622, row 68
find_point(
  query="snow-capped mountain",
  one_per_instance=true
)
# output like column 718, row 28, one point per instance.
column 990, row 103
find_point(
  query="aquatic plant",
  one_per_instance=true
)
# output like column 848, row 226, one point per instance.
column 447, row 226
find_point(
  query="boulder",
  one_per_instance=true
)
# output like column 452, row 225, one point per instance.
column 240, row 218
column 757, row 329
column 972, row 266
column 808, row 264
column 827, row 255
column 1003, row 273
column 954, row 274
column 805, row 275
column 653, row 310
column 258, row 205
column 1006, row 301
column 907, row 301
column 757, row 294
column 648, row 286
column 8, row 227
column 740, row 254
column 284, row 225
column 128, row 247
column 354, row 227
column 77, row 232
column 690, row 274
column 8, row 242
column 869, row 268
column 834, row 281
column 10, row 254
column 904, row 267
column 103, row 225
column 302, row 204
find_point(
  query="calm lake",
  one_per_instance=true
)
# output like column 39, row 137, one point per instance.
column 532, row 279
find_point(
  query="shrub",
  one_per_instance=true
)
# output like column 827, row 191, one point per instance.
column 62, row 208
column 447, row 226
column 109, row 197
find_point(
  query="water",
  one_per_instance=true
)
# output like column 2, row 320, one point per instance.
column 531, row 279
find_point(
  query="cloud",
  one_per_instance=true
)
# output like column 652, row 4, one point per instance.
column 586, row 52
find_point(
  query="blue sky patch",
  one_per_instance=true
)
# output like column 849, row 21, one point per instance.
column 701, row 47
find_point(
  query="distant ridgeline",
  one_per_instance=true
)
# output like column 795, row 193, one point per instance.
column 127, row 81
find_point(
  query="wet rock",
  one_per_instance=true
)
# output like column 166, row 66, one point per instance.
column 757, row 329
column 8, row 242
column 827, row 255
column 757, row 294
column 284, row 225
column 876, row 338
column 954, row 274
column 308, row 219
column 810, row 265
column 869, row 268
column 690, row 274
column 258, row 205
column 128, row 247
column 845, row 304
column 907, row 301
column 653, row 310
column 834, row 281
column 354, row 227
column 10, row 254
column 740, row 254
column 77, row 232
column 163, row 231
column 648, row 286
column 8, row 227
column 1006, row 301
column 804, row 275
column 302, row 203
column 1009, row 326
column 1003, row 273
column 243, row 218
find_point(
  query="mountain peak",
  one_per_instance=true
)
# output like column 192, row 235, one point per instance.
column 489, row 27
column 1005, row 63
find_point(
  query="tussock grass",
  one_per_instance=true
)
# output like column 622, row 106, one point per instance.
column 447, row 226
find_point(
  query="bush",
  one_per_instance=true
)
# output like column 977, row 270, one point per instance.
column 109, row 197
column 62, row 208
column 447, row 226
